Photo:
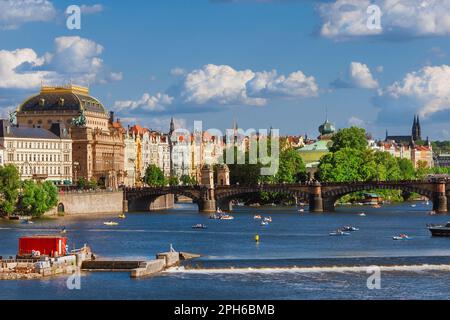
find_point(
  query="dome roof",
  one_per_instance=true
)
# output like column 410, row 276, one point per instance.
column 67, row 98
column 327, row 128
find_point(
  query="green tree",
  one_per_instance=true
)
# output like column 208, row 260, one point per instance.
column 82, row 183
column 174, row 181
column 291, row 167
column 51, row 194
column 354, row 138
column 406, row 167
column 9, row 188
column 92, row 183
column 422, row 169
column 38, row 198
column 187, row 180
column 344, row 165
column 154, row 176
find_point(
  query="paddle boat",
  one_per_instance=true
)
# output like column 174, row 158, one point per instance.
column 63, row 230
column 264, row 223
column 362, row 214
column 110, row 223
column 257, row 217
column 226, row 217
column 339, row 233
column 349, row 228
column 301, row 210
column 198, row 226
column 268, row 219
column 122, row 216
column 413, row 205
column 401, row 237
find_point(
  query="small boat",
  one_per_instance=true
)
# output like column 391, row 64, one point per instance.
column 240, row 204
column 268, row 219
column 257, row 216
column 63, row 230
column 219, row 211
column 350, row 228
column 339, row 233
column 440, row 230
column 432, row 213
column 198, row 226
column 413, row 205
column 122, row 216
column 376, row 206
column 362, row 214
column 401, row 237
column 264, row 223
column 301, row 210
column 226, row 217
column 29, row 222
column 110, row 223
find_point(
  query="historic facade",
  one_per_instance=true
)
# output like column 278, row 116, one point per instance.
column 97, row 139
column 38, row 153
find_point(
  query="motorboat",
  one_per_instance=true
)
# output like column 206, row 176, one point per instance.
column 198, row 226
column 401, row 237
column 226, row 217
column 350, row 228
column 362, row 214
column 339, row 233
column 264, row 223
column 110, row 223
column 440, row 230
column 257, row 217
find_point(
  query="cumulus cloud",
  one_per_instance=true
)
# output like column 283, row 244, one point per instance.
column 74, row 58
column 426, row 90
column 147, row 102
column 358, row 76
column 357, row 122
column 96, row 8
column 345, row 19
column 14, row 13
column 223, row 85
column 177, row 71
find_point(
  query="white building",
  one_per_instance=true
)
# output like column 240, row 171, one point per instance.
column 38, row 153
column 130, row 154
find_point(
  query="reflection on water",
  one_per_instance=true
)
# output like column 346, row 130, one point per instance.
column 296, row 258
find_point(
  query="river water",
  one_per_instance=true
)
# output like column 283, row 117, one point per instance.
column 295, row 258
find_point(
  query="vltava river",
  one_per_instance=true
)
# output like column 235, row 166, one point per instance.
column 295, row 259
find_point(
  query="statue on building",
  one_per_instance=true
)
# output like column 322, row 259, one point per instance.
column 79, row 121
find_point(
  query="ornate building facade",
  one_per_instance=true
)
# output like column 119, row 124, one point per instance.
column 97, row 139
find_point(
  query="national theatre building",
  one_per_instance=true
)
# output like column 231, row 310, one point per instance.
column 97, row 139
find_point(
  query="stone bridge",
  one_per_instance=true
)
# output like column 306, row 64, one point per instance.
column 321, row 196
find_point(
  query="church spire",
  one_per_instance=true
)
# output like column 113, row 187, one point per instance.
column 172, row 126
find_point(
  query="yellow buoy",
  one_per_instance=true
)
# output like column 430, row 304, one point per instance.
column 257, row 237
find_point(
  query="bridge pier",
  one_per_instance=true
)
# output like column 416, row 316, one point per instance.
column 315, row 198
column 440, row 197
column 328, row 204
column 225, row 205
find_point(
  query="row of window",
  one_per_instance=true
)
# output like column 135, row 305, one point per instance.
column 37, row 145
column 28, row 170
column 33, row 157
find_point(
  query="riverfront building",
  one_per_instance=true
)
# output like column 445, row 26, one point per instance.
column 97, row 139
column 38, row 153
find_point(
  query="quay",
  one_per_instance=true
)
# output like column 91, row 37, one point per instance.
column 139, row 269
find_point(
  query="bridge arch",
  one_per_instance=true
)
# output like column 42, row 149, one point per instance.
column 331, row 195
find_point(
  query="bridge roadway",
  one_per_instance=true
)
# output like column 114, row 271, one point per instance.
column 321, row 196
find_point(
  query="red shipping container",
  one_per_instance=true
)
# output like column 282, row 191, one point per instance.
column 46, row 245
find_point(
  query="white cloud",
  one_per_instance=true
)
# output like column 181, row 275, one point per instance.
column 223, row 85
column 427, row 90
column 358, row 76
column 158, row 102
column 357, row 122
column 74, row 58
column 406, row 18
column 177, row 71
column 10, row 77
column 96, row 8
column 14, row 13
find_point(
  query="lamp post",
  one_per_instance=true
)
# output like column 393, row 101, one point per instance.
column 76, row 165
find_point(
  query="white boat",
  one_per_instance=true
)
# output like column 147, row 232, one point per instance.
column 350, row 228
column 257, row 217
column 264, row 223
column 339, row 233
column 413, row 205
column 362, row 214
column 110, row 223
column 432, row 213
column 268, row 219
column 301, row 210
column 226, row 217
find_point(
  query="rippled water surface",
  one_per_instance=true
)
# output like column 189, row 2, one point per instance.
column 295, row 259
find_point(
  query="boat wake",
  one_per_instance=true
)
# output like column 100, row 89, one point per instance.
column 328, row 269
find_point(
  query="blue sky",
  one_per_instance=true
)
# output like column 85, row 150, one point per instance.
column 263, row 63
